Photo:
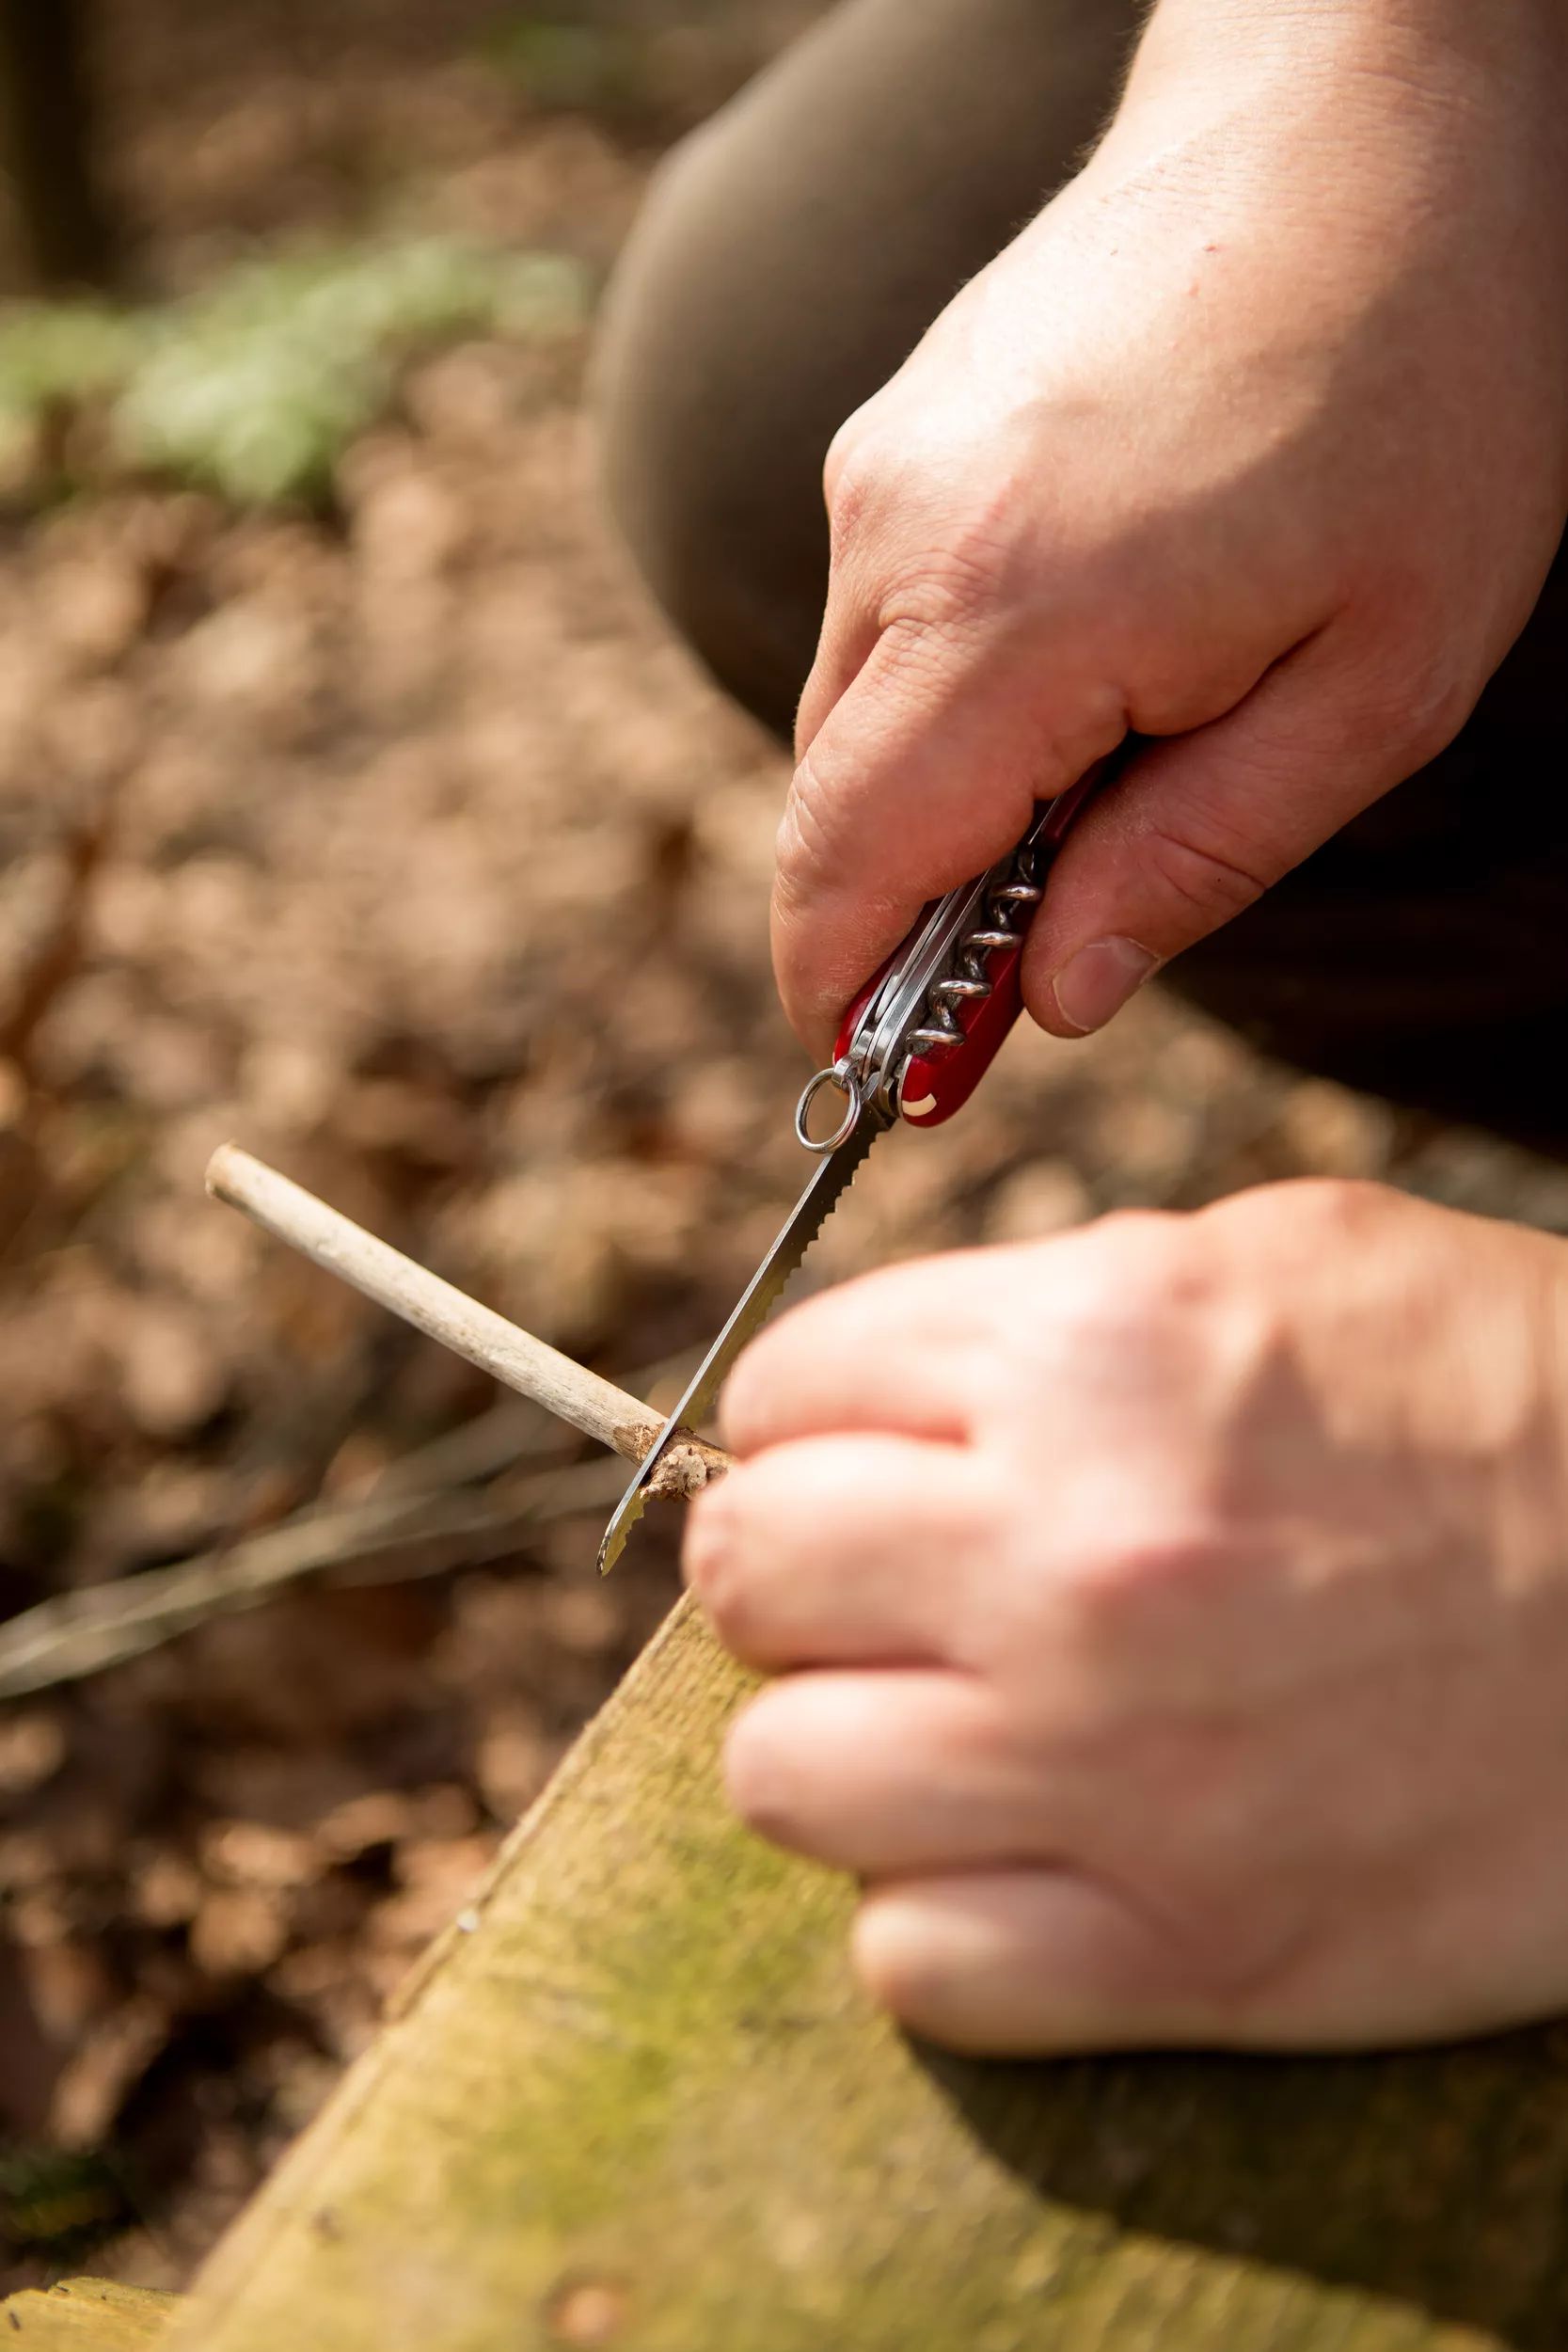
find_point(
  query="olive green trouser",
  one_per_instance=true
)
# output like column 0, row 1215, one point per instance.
column 790, row 255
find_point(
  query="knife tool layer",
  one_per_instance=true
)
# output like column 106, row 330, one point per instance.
column 913, row 1047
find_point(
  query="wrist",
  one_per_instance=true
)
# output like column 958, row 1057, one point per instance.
column 1375, row 140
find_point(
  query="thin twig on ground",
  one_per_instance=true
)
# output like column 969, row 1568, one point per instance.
column 385, row 1539
column 411, row 1524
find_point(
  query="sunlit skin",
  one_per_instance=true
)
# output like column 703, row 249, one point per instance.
column 1256, row 441
column 1174, row 1640
column 1170, row 1621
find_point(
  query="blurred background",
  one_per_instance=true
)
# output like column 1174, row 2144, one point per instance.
column 354, row 804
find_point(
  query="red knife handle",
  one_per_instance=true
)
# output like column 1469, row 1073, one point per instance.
column 936, row 1084
column 939, row 1081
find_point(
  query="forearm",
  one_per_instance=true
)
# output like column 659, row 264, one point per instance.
column 1439, row 53
column 1415, row 129
column 1508, row 41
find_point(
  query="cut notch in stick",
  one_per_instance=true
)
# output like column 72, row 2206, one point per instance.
column 509, row 1354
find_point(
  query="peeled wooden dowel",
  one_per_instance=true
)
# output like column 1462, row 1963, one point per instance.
column 509, row 1354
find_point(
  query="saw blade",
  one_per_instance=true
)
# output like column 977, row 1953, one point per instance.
column 829, row 1179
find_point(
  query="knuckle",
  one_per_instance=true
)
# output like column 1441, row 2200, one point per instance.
column 744, row 1410
column 948, row 586
column 1212, row 876
column 1427, row 713
column 728, row 1605
column 1117, row 1574
column 967, row 559
column 722, row 1595
column 854, row 467
column 764, row 1774
column 1298, row 1220
column 1348, row 1203
column 1138, row 1239
column 1414, row 699
column 807, row 843
column 852, row 486
column 933, row 539
column 710, row 1536
column 905, row 1971
column 720, row 1569
column 1126, row 1276
column 744, row 1618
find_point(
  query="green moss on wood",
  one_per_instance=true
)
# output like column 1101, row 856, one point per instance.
column 644, row 2094
column 87, row 2315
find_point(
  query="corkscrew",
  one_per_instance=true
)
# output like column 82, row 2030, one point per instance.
column 921, row 1035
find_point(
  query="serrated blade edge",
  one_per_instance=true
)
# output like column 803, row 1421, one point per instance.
column 829, row 1179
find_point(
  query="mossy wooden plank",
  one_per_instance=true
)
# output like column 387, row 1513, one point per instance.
column 87, row 2315
column 640, row 2103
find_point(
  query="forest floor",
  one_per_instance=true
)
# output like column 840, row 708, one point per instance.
column 401, row 842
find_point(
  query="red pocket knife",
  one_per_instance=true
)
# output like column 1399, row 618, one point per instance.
column 914, row 1045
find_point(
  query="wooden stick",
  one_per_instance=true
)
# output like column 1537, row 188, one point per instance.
column 568, row 1390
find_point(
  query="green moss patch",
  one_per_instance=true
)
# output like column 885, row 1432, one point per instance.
column 254, row 388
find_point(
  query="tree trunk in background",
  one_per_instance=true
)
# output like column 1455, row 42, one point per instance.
column 60, row 231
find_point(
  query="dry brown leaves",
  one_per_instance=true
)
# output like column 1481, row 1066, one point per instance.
column 411, row 852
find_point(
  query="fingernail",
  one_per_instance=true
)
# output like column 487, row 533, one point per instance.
column 1097, row 980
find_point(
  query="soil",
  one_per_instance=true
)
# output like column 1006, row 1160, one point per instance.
column 404, row 846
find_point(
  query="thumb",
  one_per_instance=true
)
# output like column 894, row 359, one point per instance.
column 1197, row 826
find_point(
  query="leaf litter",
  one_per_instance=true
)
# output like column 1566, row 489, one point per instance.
column 397, row 839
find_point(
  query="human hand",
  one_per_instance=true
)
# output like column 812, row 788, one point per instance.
column 1171, row 1622
column 1255, row 444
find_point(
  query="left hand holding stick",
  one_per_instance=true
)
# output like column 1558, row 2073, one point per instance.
column 1171, row 1623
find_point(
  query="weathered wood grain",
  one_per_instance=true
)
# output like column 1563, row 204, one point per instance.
column 640, row 2103
column 87, row 2315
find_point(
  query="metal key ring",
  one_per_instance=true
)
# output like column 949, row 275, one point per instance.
column 839, row 1076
